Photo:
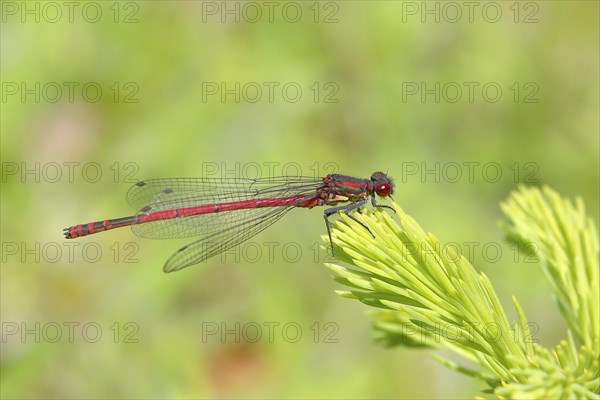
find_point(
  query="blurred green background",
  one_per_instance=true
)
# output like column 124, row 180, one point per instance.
column 77, row 324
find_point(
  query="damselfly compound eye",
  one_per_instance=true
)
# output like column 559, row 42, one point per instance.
column 383, row 190
column 382, row 185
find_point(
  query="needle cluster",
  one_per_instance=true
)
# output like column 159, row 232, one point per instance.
column 429, row 296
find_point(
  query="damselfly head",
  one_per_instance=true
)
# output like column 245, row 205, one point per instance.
column 382, row 185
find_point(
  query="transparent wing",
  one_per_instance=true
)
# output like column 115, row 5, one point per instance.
column 168, row 194
column 224, row 239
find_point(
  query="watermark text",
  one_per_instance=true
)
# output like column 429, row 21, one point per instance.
column 470, row 92
column 69, row 171
column 52, row 12
column 69, row 332
column 518, row 12
column 69, row 251
column 251, row 12
column 270, row 92
column 270, row 332
column 69, row 92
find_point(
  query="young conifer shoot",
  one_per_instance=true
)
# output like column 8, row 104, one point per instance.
column 427, row 295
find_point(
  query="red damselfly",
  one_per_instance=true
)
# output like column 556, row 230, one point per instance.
column 226, row 212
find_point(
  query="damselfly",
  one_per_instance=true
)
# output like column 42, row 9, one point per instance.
column 226, row 212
